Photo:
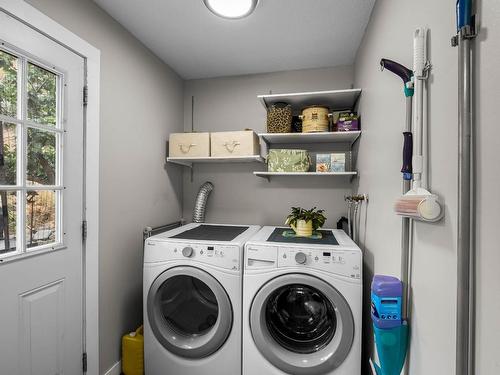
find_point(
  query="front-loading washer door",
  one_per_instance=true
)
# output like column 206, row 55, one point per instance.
column 189, row 312
column 301, row 324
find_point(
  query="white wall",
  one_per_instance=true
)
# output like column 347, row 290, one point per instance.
column 389, row 34
column 141, row 103
column 230, row 103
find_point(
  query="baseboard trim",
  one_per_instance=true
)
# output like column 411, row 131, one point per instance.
column 116, row 369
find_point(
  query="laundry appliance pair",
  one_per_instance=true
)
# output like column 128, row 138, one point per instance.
column 230, row 300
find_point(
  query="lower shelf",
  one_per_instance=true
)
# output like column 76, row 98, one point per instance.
column 188, row 161
column 322, row 174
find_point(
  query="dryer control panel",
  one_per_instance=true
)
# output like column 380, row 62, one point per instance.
column 225, row 256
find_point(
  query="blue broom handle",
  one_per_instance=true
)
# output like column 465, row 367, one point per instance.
column 464, row 13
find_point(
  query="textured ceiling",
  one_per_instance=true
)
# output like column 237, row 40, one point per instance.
column 279, row 35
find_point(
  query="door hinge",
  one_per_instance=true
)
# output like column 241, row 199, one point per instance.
column 84, row 362
column 85, row 95
column 84, row 230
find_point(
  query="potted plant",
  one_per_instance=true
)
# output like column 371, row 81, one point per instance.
column 304, row 222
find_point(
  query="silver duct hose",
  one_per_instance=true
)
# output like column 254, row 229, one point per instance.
column 200, row 204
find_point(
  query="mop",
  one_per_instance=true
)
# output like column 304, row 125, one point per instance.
column 389, row 307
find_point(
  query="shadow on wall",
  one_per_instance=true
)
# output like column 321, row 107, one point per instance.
column 368, row 273
column 174, row 177
column 368, row 341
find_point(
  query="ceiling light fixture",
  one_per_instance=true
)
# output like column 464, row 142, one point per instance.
column 232, row 9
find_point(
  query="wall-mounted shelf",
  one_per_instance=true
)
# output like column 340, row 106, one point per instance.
column 188, row 162
column 268, row 175
column 337, row 100
column 307, row 138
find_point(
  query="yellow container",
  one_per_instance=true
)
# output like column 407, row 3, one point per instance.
column 133, row 352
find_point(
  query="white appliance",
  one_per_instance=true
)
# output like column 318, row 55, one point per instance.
column 192, row 300
column 302, row 303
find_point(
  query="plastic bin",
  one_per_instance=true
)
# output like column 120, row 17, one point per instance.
column 133, row 352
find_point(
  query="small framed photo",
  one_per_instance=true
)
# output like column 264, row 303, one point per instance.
column 338, row 162
column 323, row 162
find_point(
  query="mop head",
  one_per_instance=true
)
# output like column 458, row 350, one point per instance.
column 392, row 345
column 419, row 204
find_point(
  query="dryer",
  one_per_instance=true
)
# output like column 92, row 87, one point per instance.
column 302, row 304
column 192, row 300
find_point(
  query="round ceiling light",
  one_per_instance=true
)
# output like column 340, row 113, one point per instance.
column 232, row 9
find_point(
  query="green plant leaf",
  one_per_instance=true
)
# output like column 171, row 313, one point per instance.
column 317, row 217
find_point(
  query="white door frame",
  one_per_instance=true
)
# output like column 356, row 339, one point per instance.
column 40, row 22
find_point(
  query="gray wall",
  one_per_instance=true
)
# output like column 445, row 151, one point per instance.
column 230, row 103
column 389, row 34
column 141, row 103
column 135, row 125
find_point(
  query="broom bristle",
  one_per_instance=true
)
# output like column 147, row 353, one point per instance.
column 420, row 207
column 408, row 205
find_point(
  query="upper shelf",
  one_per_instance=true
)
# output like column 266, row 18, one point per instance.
column 305, row 138
column 336, row 100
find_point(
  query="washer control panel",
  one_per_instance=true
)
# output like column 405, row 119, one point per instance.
column 339, row 261
column 225, row 256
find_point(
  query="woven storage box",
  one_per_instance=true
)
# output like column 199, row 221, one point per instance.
column 315, row 119
column 279, row 118
column 280, row 160
column 189, row 145
column 239, row 143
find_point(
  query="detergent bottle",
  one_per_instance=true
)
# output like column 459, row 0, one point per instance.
column 391, row 331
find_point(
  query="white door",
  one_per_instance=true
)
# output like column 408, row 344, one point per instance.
column 41, row 203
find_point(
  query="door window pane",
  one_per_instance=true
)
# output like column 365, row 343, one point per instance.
column 41, row 157
column 8, row 218
column 300, row 318
column 8, row 166
column 188, row 305
column 40, row 217
column 29, row 94
column 42, row 95
column 8, row 84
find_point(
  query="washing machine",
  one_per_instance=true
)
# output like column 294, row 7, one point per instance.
column 192, row 300
column 302, row 304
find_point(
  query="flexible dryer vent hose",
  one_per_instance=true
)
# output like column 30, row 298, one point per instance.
column 200, row 204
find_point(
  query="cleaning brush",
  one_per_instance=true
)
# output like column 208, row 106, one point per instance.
column 419, row 204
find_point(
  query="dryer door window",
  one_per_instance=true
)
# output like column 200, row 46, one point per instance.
column 189, row 312
column 188, row 305
column 302, row 324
